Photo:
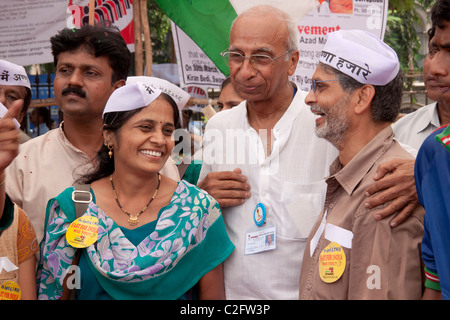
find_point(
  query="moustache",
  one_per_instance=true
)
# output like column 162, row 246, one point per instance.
column 76, row 90
column 316, row 109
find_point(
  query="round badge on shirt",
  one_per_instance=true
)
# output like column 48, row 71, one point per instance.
column 82, row 232
column 332, row 263
column 259, row 215
column 10, row 290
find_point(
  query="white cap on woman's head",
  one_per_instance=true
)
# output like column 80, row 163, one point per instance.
column 130, row 97
column 178, row 95
column 12, row 74
column 360, row 55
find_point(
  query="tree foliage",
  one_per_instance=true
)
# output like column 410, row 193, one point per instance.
column 400, row 32
column 160, row 30
column 402, row 37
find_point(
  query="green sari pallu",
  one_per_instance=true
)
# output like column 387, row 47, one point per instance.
column 189, row 240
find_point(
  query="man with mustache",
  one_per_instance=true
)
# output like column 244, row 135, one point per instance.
column 91, row 62
column 356, row 92
column 413, row 128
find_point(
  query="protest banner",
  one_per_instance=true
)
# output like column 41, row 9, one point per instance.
column 27, row 25
column 197, row 69
column 368, row 15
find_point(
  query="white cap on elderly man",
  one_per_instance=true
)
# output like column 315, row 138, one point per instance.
column 360, row 55
column 13, row 75
column 130, row 97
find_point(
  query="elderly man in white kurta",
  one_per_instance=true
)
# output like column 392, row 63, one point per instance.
column 286, row 171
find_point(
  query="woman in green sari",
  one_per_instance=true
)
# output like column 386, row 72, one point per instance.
column 156, row 238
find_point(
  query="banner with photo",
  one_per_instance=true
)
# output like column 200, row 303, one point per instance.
column 27, row 25
column 368, row 15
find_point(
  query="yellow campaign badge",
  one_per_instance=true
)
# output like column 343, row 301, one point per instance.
column 10, row 290
column 82, row 232
column 331, row 262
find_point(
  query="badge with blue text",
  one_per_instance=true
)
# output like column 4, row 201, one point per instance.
column 332, row 263
column 10, row 290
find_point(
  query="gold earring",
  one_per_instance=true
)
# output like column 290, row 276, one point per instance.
column 110, row 153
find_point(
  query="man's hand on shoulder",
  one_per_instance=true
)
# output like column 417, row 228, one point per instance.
column 394, row 182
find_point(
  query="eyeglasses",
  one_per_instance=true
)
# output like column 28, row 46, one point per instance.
column 235, row 59
column 314, row 82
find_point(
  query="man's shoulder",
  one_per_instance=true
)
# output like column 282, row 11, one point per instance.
column 394, row 150
column 397, row 150
column 36, row 143
column 34, row 150
column 417, row 115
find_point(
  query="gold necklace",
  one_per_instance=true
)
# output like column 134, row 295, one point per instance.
column 134, row 220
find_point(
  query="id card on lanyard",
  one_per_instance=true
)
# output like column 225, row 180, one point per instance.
column 262, row 236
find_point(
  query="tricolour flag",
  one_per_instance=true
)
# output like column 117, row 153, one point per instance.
column 444, row 137
column 208, row 22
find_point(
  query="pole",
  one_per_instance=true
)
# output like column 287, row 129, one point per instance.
column 147, row 38
column 138, row 53
column 91, row 12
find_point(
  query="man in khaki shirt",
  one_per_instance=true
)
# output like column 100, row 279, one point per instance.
column 356, row 92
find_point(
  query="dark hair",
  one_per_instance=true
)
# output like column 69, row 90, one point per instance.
column 387, row 100
column 113, row 121
column 440, row 13
column 99, row 41
column 225, row 82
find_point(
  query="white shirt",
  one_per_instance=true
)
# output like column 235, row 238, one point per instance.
column 46, row 166
column 413, row 128
column 290, row 183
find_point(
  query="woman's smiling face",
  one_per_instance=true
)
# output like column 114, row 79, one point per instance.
column 144, row 141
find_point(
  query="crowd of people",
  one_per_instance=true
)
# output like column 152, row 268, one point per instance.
column 298, row 195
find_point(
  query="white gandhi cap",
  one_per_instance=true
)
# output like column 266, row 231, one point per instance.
column 360, row 55
column 130, row 97
column 180, row 96
column 13, row 75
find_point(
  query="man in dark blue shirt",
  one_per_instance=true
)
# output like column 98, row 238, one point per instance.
column 432, row 169
column 432, row 174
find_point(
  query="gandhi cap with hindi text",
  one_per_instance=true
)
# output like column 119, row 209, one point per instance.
column 130, row 97
column 360, row 55
column 12, row 74
column 178, row 95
